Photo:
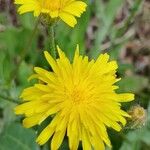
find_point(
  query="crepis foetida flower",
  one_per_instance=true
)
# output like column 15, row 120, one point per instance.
column 65, row 10
column 80, row 97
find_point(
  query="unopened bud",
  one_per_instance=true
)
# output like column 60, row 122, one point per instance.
column 138, row 116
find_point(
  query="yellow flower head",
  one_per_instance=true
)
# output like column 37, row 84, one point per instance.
column 81, row 99
column 66, row 10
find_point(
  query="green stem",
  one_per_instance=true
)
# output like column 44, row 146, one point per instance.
column 9, row 99
column 52, row 41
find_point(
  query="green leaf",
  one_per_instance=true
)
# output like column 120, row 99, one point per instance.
column 18, row 138
column 6, row 67
column 124, row 67
column 107, row 17
column 132, row 142
column 25, row 70
column 27, row 21
column 132, row 84
column 8, row 114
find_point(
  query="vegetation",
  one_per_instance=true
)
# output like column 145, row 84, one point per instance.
column 118, row 27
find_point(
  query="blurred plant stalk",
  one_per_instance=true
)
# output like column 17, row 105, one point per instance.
column 9, row 99
column 51, row 34
column 49, row 24
column 24, row 52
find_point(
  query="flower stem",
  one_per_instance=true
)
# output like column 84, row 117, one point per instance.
column 52, row 41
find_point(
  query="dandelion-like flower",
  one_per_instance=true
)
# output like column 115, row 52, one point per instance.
column 66, row 10
column 81, row 99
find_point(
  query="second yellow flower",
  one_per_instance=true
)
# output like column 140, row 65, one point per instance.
column 66, row 10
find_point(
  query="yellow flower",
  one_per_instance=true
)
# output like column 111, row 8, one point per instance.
column 81, row 99
column 66, row 10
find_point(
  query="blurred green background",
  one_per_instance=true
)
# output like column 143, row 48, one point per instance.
column 119, row 27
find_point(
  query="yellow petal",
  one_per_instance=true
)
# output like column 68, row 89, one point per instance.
column 51, row 61
column 76, row 8
column 68, row 18
column 31, row 121
column 48, row 131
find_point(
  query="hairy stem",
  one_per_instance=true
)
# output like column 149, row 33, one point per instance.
column 52, row 41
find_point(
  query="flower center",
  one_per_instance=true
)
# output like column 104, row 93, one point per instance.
column 78, row 96
column 52, row 5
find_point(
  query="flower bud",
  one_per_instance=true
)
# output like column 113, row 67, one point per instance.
column 138, row 116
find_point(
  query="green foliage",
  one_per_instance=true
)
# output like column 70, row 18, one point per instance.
column 14, row 43
column 138, row 139
column 77, row 35
column 18, row 138
column 133, row 84
column 106, row 14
